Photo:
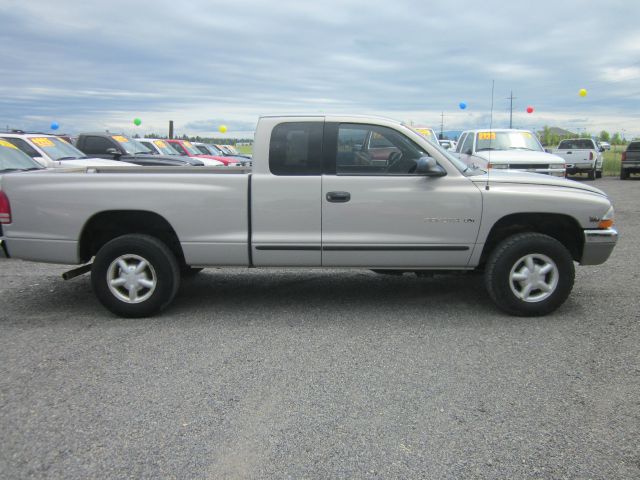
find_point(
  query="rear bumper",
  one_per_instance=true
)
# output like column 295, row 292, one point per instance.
column 598, row 245
column 580, row 167
column 631, row 166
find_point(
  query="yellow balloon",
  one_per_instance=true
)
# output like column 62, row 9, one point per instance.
column 222, row 128
column 583, row 92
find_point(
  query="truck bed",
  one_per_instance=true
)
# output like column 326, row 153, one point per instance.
column 63, row 201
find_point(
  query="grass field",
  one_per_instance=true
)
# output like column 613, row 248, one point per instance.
column 247, row 149
column 611, row 163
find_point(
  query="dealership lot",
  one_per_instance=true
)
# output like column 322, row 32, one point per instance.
column 324, row 374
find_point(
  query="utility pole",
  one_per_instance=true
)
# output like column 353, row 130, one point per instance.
column 442, row 126
column 511, row 98
column 170, row 128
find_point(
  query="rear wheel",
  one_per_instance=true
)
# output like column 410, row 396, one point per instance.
column 592, row 174
column 598, row 173
column 135, row 275
column 624, row 175
column 529, row 274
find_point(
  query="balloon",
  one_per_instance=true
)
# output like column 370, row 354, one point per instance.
column 529, row 109
column 222, row 128
column 583, row 92
column 54, row 126
column 137, row 122
column 462, row 105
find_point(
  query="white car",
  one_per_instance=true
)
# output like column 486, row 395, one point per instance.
column 52, row 151
column 508, row 148
column 448, row 144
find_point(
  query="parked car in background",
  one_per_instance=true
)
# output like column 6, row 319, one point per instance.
column 234, row 160
column 582, row 155
column 12, row 159
column 54, row 151
column 427, row 133
column 448, row 144
column 185, row 147
column 121, row 147
column 507, row 149
column 630, row 160
column 230, row 151
column 159, row 146
column 605, row 145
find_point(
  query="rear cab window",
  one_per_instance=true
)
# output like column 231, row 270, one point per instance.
column 296, row 148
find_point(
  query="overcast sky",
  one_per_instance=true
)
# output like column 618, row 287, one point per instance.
column 98, row 65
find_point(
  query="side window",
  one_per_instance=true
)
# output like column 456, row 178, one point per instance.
column 179, row 148
column 375, row 150
column 467, row 146
column 296, row 148
column 24, row 146
column 97, row 145
column 149, row 146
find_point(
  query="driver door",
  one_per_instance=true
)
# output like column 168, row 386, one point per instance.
column 389, row 216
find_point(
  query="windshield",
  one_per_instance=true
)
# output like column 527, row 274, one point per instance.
column 131, row 145
column 507, row 141
column 190, row 148
column 11, row 158
column 164, row 147
column 215, row 150
column 57, row 148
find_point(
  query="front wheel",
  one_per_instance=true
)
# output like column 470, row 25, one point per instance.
column 135, row 275
column 529, row 274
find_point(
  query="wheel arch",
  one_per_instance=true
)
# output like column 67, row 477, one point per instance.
column 563, row 228
column 107, row 225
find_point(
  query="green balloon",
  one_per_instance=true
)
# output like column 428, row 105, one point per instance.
column 137, row 122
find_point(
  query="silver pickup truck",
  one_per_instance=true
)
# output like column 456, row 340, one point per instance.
column 324, row 191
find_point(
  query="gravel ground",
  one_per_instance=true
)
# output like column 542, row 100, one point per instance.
column 324, row 374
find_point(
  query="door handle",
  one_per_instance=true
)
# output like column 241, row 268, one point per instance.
column 338, row 197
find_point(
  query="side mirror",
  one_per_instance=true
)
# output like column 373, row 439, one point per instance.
column 601, row 149
column 428, row 167
column 467, row 151
column 114, row 151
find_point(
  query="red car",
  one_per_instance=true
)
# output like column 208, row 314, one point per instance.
column 184, row 147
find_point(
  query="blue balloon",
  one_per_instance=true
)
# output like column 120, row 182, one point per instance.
column 54, row 125
column 462, row 105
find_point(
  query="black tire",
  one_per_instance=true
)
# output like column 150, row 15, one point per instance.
column 161, row 271
column 624, row 175
column 592, row 174
column 542, row 250
column 598, row 173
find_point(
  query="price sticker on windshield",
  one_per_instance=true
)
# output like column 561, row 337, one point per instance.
column 526, row 134
column 187, row 144
column 486, row 135
column 42, row 142
column 160, row 144
column 4, row 143
column 120, row 139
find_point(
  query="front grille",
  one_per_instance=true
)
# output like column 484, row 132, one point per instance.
column 528, row 166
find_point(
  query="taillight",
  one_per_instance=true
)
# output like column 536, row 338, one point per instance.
column 590, row 155
column 624, row 156
column 5, row 209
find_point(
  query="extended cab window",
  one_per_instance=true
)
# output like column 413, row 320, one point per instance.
column 375, row 150
column 296, row 148
column 467, row 146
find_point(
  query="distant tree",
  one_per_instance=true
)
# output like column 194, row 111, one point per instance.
column 546, row 137
column 604, row 136
column 616, row 139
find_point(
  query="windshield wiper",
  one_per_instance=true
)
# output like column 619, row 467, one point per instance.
column 68, row 158
column 523, row 148
column 484, row 149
